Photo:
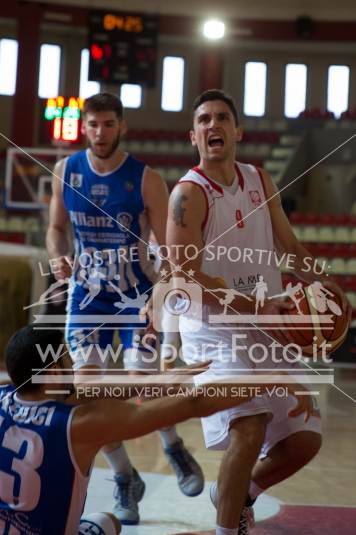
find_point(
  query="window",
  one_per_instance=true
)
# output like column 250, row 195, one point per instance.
column 338, row 89
column 8, row 66
column 172, row 84
column 87, row 88
column 50, row 61
column 131, row 95
column 255, row 88
column 295, row 89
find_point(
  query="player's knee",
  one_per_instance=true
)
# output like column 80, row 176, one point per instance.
column 303, row 447
column 312, row 446
column 248, row 432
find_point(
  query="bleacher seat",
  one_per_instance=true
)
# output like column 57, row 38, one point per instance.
column 338, row 266
column 298, row 232
column 316, row 113
column 326, row 234
column 296, row 218
column 351, row 266
column 352, row 298
column 348, row 114
column 13, row 237
column 342, row 235
column 310, row 233
column 15, row 224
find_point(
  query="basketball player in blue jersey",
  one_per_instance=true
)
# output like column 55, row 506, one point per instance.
column 113, row 201
column 209, row 209
column 44, row 460
column 48, row 445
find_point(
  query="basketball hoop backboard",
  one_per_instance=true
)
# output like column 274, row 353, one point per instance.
column 28, row 176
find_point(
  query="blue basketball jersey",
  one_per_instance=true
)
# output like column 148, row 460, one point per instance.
column 110, row 226
column 42, row 492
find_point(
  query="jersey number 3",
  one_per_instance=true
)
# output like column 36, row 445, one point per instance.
column 21, row 490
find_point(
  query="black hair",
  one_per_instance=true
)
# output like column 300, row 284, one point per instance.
column 216, row 94
column 103, row 102
column 29, row 348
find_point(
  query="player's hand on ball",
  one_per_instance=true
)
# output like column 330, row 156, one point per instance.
column 335, row 289
column 276, row 307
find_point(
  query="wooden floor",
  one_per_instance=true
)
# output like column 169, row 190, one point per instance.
column 330, row 479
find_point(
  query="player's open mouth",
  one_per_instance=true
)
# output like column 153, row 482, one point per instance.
column 215, row 141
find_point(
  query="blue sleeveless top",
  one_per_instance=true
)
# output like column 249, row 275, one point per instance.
column 42, row 491
column 111, row 229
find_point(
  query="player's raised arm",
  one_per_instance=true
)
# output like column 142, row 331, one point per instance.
column 57, row 241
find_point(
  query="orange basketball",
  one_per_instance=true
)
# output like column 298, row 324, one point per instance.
column 316, row 319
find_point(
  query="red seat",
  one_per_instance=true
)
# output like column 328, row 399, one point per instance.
column 341, row 250
column 324, row 249
column 13, row 237
column 349, row 283
column 326, row 219
column 311, row 218
column 296, row 218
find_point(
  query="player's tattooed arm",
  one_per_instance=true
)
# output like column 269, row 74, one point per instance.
column 178, row 209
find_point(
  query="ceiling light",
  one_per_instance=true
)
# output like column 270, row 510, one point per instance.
column 214, row 29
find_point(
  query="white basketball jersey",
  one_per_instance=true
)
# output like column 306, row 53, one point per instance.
column 237, row 231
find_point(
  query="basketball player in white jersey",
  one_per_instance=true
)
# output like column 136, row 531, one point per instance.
column 220, row 206
column 112, row 200
column 48, row 445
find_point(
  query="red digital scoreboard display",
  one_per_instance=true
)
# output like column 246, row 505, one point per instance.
column 123, row 47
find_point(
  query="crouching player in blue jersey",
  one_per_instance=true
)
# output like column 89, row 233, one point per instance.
column 112, row 201
column 48, row 445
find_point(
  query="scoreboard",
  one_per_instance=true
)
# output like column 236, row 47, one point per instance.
column 62, row 120
column 123, row 47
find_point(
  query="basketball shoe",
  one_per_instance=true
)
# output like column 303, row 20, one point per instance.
column 189, row 474
column 247, row 518
column 128, row 492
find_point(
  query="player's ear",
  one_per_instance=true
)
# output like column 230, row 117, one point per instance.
column 239, row 133
column 192, row 138
column 83, row 128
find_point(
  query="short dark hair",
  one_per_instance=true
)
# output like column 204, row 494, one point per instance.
column 103, row 102
column 216, row 94
column 22, row 354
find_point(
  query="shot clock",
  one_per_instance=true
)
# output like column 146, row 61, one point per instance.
column 123, row 47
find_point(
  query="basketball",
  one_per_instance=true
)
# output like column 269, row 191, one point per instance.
column 317, row 320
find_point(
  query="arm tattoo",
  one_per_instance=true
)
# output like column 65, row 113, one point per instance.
column 178, row 210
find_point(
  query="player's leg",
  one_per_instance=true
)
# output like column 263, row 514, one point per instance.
column 99, row 524
column 88, row 347
column 190, row 476
column 284, row 459
column 142, row 355
column 290, row 444
column 129, row 487
column 246, row 438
